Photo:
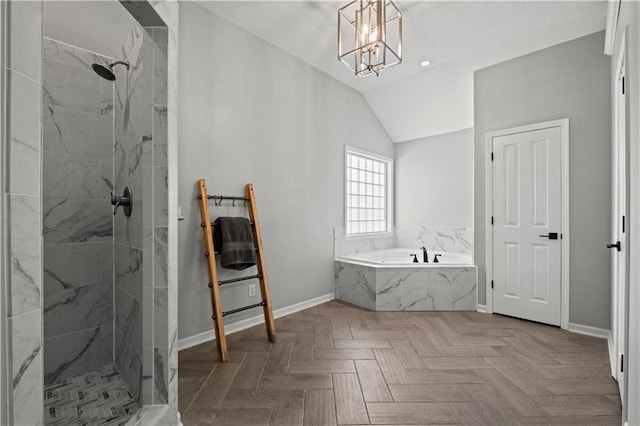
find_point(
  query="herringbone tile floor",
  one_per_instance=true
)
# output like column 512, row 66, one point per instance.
column 339, row 364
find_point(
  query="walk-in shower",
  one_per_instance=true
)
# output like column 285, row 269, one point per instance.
column 104, row 133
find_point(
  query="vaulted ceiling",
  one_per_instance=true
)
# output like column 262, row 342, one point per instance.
column 458, row 37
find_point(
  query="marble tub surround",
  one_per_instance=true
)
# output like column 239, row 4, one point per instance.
column 426, row 288
column 453, row 239
column 77, row 167
column 345, row 245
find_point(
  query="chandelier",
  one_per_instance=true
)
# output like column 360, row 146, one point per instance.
column 369, row 36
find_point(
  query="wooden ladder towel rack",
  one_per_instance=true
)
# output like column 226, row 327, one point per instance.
column 214, row 285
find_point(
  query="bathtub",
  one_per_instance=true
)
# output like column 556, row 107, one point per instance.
column 402, row 257
column 389, row 280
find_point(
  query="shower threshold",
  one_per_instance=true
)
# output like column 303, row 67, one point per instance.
column 97, row 398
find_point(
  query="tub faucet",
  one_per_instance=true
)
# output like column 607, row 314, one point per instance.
column 425, row 255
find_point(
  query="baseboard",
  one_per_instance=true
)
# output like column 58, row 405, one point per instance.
column 197, row 339
column 481, row 308
column 611, row 353
column 589, row 331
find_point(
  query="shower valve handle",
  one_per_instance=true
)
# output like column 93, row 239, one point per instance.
column 126, row 201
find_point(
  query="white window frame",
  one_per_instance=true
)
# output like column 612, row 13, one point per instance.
column 389, row 193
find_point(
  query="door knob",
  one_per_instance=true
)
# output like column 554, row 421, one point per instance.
column 550, row 235
column 616, row 246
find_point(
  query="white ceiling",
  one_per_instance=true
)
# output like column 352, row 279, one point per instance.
column 457, row 37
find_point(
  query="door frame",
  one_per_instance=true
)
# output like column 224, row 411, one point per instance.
column 564, row 193
column 617, row 337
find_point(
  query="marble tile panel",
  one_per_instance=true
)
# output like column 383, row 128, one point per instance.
column 51, row 49
column 366, row 288
column 128, row 321
column 147, row 346
column 106, row 166
column 74, row 309
column 24, row 136
column 77, row 353
column 147, row 248
column 464, row 290
column 147, row 196
column 78, row 57
column 76, row 221
column 160, row 257
column 76, row 132
column 26, row 367
column 70, row 86
column 414, row 295
column 345, row 278
column 173, row 292
column 160, row 317
column 161, row 375
column 107, row 93
column 138, row 49
column 24, row 39
column 173, row 364
column 92, row 264
column 133, row 146
column 343, row 246
column 160, row 136
column 160, row 74
column 75, row 176
column 128, row 230
column 24, row 248
column 128, row 267
column 442, row 238
column 160, row 196
column 129, row 362
column 388, row 291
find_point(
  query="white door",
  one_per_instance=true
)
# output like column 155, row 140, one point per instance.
column 527, row 220
column 618, row 245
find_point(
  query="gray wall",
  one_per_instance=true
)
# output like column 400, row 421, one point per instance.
column 250, row 112
column 434, row 180
column 570, row 80
column 77, row 161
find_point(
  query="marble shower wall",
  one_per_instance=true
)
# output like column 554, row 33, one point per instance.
column 21, row 200
column 21, row 191
column 141, row 260
column 77, row 160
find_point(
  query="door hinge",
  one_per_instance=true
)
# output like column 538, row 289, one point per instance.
column 623, row 224
column 492, row 220
column 492, row 284
column 623, row 85
column 492, row 156
column 622, row 363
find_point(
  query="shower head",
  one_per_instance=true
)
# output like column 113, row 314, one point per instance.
column 106, row 72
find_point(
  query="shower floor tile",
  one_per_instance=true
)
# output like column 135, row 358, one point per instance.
column 97, row 398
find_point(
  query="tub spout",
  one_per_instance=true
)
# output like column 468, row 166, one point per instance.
column 425, row 255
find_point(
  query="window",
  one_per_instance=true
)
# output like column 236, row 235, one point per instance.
column 367, row 192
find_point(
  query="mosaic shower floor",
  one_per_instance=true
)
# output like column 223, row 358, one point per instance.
column 97, row 398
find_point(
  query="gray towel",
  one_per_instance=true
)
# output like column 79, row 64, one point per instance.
column 233, row 239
